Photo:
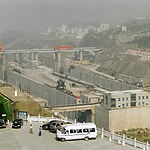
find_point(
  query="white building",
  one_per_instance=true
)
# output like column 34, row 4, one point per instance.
column 64, row 28
column 123, row 28
column 125, row 99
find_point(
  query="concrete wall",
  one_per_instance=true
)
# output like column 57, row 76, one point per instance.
column 123, row 119
column 80, row 73
column 35, row 88
column 102, row 117
column 87, row 76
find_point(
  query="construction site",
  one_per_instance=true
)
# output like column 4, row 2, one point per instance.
column 60, row 80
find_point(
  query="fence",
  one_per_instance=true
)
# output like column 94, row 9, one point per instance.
column 122, row 139
column 47, row 119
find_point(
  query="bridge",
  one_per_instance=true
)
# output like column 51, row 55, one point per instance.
column 34, row 54
column 78, row 107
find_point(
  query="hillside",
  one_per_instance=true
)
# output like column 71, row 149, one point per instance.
column 114, row 60
column 114, row 43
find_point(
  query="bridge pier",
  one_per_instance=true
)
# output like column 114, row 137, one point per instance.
column 31, row 56
column 80, row 55
column 17, row 57
column 36, row 56
column 57, row 58
column 76, row 55
column 3, row 66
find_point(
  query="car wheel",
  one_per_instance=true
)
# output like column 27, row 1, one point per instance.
column 86, row 138
column 63, row 139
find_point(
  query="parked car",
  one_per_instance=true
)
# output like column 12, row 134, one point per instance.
column 16, row 124
column 56, row 124
column 2, row 123
column 46, row 126
column 20, row 120
column 53, row 125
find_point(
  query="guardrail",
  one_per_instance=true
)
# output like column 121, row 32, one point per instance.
column 122, row 139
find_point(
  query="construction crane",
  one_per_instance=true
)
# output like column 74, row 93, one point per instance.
column 61, row 82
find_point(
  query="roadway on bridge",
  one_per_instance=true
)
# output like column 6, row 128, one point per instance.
column 21, row 139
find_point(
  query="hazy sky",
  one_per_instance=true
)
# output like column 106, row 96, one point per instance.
column 32, row 15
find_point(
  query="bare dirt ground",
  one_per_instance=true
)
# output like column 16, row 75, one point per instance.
column 24, row 102
column 140, row 134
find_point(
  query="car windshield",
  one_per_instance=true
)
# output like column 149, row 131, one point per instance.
column 62, row 130
column 16, row 122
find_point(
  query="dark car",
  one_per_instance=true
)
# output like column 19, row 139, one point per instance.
column 46, row 126
column 54, row 125
column 2, row 123
column 20, row 120
column 16, row 124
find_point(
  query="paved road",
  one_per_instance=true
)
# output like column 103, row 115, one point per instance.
column 21, row 139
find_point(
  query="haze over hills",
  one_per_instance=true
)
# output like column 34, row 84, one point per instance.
column 114, row 42
column 37, row 15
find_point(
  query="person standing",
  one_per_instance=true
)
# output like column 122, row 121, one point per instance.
column 31, row 129
column 40, row 131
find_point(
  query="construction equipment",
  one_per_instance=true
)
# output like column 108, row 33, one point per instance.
column 61, row 82
column 1, row 48
column 64, row 47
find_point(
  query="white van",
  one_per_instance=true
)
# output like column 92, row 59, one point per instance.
column 77, row 131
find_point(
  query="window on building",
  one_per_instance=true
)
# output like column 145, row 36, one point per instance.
column 133, row 104
column 143, row 103
column 113, row 102
column 106, row 100
column 123, row 99
column 146, row 97
column 139, row 97
column 133, row 100
column 147, row 103
column 127, row 98
column 127, row 104
column 123, row 105
column 139, row 103
column 142, row 97
column 118, row 99
column 118, row 105
column 133, row 97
